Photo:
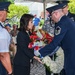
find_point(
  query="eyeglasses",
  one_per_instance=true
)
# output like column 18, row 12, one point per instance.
column 53, row 13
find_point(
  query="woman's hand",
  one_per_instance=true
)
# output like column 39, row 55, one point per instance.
column 38, row 59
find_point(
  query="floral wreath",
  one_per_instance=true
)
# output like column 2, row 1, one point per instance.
column 55, row 66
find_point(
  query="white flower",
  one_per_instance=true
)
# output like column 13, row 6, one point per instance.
column 36, row 52
column 36, row 43
column 46, row 60
column 39, row 34
column 53, row 67
column 57, row 65
column 39, row 43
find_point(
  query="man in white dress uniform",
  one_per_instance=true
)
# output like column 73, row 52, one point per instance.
column 5, row 63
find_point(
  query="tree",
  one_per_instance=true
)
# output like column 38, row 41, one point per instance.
column 7, row 0
column 72, row 6
column 16, row 11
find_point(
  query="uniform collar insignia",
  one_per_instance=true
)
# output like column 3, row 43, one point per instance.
column 72, row 18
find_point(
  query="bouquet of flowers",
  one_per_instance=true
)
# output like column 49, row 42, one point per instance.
column 39, row 39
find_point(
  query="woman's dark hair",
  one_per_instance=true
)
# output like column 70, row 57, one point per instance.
column 24, row 21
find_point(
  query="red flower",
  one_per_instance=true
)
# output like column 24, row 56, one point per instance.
column 33, row 37
column 30, row 45
column 34, row 33
column 49, row 38
column 36, row 48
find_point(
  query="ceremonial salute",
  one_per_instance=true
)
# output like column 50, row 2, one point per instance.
column 4, row 41
column 64, row 29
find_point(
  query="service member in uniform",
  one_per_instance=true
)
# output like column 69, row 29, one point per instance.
column 65, row 9
column 4, row 41
column 49, row 28
column 64, row 29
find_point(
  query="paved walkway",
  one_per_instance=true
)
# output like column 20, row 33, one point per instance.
column 37, row 68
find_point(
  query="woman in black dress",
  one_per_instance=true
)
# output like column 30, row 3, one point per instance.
column 24, row 54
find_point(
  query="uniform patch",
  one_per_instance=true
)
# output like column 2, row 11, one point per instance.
column 57, row 30
column 72, row 18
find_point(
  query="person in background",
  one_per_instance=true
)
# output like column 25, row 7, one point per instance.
column 8, row 27
column 36, row 22
column 5, row 62
column 24, row 54
column 14, row 33
column 41, row 22
column 65, row 10
column 48, row 26
column 64, row 29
